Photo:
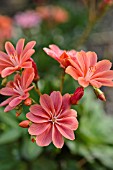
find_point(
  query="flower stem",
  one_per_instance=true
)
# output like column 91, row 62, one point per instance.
column 37, row 89
column 62, row 80
column 94, row 17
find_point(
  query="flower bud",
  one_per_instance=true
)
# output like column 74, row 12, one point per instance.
column 28, row 101
column 36, row 77
column 25, row 123
column 18, row 114
column 33, row 139
column 100, row 95
column 4, row 82
column 79, row 92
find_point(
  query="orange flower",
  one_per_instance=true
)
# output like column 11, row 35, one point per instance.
column 54, row 13
column 88, row 71
column 5, row 27
column 61, row 56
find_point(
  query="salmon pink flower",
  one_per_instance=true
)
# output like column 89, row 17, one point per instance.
column 61, row 56
column 17, row 89
column 15, row 59
column 52, row 119
column 88, row 71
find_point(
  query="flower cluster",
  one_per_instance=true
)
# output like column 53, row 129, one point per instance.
column 52, row 118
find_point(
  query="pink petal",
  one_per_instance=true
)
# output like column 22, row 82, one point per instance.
column 19, row 46
column 66, row 132
column 104, row 74
column 8, row 108
column 28, row 89
column 10, row 48
column 47, row 104
column 95, row 83
column 66, row 102
column 72, row 72
column 27, row 55
column 83, row 82
column 4, row 57
column 56, row 49
column 38, row 128
column 45, row 138
column 57, row 100
column 51, row 53
column 27, row 77
column 57, row 137
column 38, row 111
column 74, row 63
column 29, row 46
column 103, row 65
column 5, row 64
column 26, row 64
column 82, row 60
column 69, row 122
column 7, row 91
column 16, row 101
column 68, row 113
column 7, row 71
column 6, row 101
column 36, row 119
column 92, row 57
column 104, row 82
column 17, row 78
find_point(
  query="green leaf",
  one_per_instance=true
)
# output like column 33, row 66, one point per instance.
column 104, row 154
column 8, row 118
column 30, row 150
column 10, row 136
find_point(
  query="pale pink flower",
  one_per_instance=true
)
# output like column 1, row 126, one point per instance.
column 52, row 119
column 88, row 71
column 15, row 59
column 27, row 19
column 17, row 89
column 61, row 56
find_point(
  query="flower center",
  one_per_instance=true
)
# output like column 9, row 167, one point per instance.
column 53, row 119
column 90, row 72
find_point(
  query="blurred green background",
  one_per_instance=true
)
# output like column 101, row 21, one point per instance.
column 70, row 24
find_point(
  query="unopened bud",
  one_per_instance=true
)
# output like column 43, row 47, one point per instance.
column 28, row 101
column 78, row 94
column 100, row 95
column 25, row 123
column 4, row 82
column 18, row 114
column 33, row 139
column 36, row 77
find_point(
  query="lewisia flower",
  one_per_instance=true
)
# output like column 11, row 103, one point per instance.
column 53, row 13
column 52, row 119
column 27, row 19
column 88, row 71
column 5, row 29
column 61, row 56
column 15, row 59
column 17, row 89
